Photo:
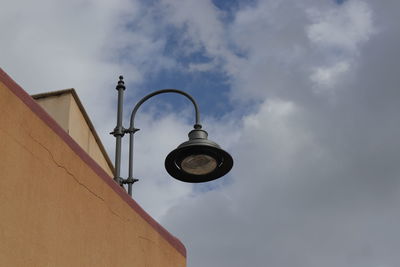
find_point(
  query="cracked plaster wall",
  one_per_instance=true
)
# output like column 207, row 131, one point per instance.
column 55, row 211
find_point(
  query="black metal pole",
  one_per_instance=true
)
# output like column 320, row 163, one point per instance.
column 119, row 131
column 130, row 175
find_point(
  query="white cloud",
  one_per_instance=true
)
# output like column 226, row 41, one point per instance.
column 307, row 170
column 201, row 67
column 338, row 33
column 204, row 32
column 326, row 77
column 343, row 27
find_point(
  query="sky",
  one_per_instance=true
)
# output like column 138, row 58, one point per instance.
column 304, row 94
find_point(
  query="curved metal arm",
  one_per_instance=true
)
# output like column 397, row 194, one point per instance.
column 130, row 180
column 163, row 91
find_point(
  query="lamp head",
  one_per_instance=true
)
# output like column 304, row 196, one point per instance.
column 198, row 160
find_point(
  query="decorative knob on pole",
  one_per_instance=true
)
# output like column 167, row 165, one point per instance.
column 121, row 83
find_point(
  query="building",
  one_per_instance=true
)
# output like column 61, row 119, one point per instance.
column 59, row 205
column 66, row 109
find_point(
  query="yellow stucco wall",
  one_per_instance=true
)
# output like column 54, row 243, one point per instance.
column 56, row 210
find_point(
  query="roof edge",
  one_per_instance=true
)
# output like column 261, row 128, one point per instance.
column 49, row 121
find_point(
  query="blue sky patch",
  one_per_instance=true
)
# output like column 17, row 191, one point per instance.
column 209, row 89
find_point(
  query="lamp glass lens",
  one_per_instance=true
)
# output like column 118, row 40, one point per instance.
column 198, row 164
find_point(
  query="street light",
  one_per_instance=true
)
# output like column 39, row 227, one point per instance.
column 197, row 160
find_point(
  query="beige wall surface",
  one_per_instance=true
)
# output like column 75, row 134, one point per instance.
column 58, row 107
column 56, row 209
column 63, row 108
